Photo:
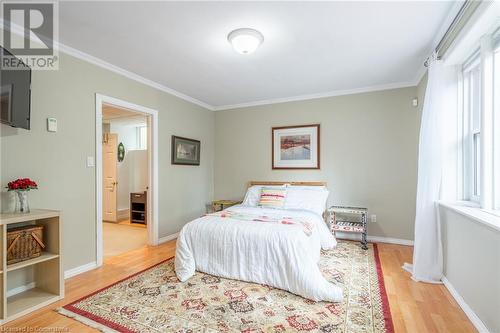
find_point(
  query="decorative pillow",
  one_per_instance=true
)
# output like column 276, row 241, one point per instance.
column 252, row 196
column 272, row 197
column 312, row 199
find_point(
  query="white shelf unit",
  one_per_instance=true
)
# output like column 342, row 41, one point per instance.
column 46, row 270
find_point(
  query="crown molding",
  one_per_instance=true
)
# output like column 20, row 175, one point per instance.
column 130, row 75
column 420, row 74
column 15, row 28
column 317, row 96
column 138, row 78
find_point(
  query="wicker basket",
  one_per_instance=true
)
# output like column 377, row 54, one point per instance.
column 24, row 243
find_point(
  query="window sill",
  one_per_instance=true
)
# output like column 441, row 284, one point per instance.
column 473, row 211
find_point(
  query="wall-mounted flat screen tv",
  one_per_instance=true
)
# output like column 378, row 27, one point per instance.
column 15, row 94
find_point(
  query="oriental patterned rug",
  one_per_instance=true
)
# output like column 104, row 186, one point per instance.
column 155, row 301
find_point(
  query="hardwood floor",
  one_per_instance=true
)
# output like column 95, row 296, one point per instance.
column 418, row 307
column 415, row 307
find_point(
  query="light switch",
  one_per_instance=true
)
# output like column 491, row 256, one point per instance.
column 90, row 162
column 52, row 124
column 414, row 102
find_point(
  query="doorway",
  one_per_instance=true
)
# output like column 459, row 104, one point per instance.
column 126, row 170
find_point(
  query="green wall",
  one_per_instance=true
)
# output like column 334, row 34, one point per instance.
column 57, row 161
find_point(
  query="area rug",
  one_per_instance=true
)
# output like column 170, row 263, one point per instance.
column 155, row 301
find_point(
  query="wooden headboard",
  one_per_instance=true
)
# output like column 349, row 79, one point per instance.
column 264, row 183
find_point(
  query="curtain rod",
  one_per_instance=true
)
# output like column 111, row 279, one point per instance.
column 464, row 14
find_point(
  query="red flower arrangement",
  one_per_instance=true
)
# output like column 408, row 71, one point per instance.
column 23, row 184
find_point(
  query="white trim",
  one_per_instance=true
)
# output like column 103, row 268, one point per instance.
column 153, row 172
column 420, row 74
column 473, row 317
column 483, row 21
column 390, row 240
column 375, row 239
column 130, row 75
column 168, row 238
column 487, row 129
column 122, row 214
column 473, row 211
column 101, row 63
column 15, row 28
column 80, row 269
column 318, row 95
column 98, row 178
column 496, row 125
column 20, row 289
column 136, row 77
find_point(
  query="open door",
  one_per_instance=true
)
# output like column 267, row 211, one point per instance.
column 109, row 183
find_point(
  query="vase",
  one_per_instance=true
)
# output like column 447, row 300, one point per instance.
column 22, row 205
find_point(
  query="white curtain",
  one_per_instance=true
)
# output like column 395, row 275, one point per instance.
column 437, row 136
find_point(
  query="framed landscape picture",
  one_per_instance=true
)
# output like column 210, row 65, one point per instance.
column 185, row 151
column 296, row 147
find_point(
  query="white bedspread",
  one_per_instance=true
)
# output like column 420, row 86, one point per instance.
column 274, row 254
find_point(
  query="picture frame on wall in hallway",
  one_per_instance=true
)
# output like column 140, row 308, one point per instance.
column 185, row 151
column 296, row 147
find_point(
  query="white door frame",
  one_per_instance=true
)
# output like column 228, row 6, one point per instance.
column 152, row 209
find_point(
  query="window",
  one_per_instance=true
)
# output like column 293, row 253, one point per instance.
column 481, row 125
column 472, row 129
column 142, row 138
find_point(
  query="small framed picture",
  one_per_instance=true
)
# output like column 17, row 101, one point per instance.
column 296, row 147
column 185, row 151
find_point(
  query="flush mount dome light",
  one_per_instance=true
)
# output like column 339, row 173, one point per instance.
column 245, row 40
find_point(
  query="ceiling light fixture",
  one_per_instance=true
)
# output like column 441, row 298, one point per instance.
column 245, row 40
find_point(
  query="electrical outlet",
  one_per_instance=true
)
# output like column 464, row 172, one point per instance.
column 373, row 218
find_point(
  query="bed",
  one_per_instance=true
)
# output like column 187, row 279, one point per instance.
column 278, row 247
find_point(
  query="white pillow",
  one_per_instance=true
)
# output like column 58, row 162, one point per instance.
column 252, row 197
column 311, row 198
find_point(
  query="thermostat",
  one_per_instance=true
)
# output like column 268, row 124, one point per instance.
column 52, row 124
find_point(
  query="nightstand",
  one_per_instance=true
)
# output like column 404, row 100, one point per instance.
column 219, row 205
column 349, row 219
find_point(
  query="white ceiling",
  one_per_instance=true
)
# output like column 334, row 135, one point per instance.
column 310, row 48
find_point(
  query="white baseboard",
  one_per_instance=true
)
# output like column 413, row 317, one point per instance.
column 168, row 238
column 122, row 214
column 80, row 269
column 92, row 265
column 20, row 289
column 390, row 240
column 375, row 239
column 478, row 324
